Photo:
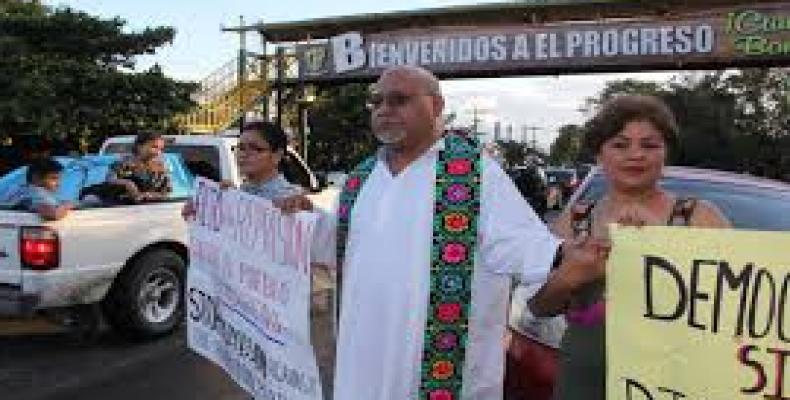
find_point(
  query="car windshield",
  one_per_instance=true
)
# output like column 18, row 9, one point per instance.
column 746, row 206
column 560, row 174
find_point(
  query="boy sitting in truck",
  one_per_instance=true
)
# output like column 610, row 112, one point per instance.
column 43, row 179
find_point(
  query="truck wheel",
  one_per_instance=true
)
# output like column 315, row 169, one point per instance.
column 146, row 301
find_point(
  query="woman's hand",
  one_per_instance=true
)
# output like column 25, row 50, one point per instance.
column 583, row 261
column 293, row 204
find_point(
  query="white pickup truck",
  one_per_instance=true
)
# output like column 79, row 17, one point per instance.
column 128, row 261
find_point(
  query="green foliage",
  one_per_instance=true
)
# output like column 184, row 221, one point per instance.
column 517, row 153
column 66, row 75
column 567, row 148
column 340, row 134
column 19, row 7
column 621, row 87
column 736, row 120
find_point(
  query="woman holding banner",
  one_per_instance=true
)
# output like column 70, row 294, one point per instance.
column 259, row 152
column 630, row 137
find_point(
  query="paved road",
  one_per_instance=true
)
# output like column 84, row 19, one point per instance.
column 38, row 362
column 53, row 365
column 57, row 366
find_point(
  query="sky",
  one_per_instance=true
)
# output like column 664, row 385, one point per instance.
column 200, row 48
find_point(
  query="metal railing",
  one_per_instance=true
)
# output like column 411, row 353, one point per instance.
column 223, row 97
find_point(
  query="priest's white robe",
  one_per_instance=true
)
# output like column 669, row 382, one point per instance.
column 386, row 280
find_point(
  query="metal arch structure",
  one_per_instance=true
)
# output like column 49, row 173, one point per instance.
column 529, row 37
column 531, row 17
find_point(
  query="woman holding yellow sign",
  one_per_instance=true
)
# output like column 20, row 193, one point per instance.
column 630, row 136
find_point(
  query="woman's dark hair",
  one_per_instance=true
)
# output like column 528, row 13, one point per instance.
column 271, row 133
column 616, row 113
column 143, row 138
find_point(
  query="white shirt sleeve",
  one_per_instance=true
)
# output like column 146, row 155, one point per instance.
column 548, row 331
column 513, row 239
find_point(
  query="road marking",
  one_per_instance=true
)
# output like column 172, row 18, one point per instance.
column 27, row 326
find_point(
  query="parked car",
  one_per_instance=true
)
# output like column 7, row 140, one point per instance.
column 336, row 178
column 531, row 181
column 562, row 184
column 749, row 202
column 582, row 170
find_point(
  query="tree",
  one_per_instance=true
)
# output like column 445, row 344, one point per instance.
column 735, row 120
column 68, row 76
column 567, row 148
column 517, row 153
column 763, row 118
column 621, row 87
column 340, row 134
column 705, row 111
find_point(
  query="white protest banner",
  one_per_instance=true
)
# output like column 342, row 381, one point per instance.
column 248, row 293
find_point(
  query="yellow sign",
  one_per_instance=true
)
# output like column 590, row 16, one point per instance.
column 698, row 314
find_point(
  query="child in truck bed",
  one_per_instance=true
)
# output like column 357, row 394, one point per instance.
column 43, row 178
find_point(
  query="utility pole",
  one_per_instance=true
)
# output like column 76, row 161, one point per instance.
column 280, row 54
column 534, row 143
column 477, row 114
column 476, row 118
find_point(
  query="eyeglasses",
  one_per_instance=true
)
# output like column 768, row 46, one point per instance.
column 393, row 99
column 245, row 147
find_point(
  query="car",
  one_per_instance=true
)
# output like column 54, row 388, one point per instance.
column 128, row 259
column 102, row 253
column 582, row 170
column 336, row 178
column 531, row 181
column 748, row 202
column 562, row 184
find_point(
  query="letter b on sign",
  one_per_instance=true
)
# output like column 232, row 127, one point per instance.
column 348, row 52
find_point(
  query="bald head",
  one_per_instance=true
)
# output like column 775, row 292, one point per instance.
column 419, row 76
column 406, row 106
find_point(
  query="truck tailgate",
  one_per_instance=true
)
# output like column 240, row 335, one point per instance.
column 10, row 266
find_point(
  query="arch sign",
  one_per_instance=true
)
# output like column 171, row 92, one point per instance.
column 725, row 37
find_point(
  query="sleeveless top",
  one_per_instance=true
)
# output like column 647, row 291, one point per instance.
column 583, row 348
column 146, row 179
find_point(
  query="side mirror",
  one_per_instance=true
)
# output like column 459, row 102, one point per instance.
column 322, row 183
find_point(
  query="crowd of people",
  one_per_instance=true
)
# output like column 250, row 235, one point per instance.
column 433, row 232
column 390, row 311
column 429, row 237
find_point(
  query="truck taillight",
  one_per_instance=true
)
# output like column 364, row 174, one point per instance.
column 39, row 248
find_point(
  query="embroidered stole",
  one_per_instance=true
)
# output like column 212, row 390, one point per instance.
column 456, row 211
